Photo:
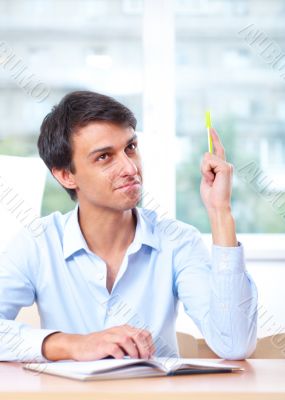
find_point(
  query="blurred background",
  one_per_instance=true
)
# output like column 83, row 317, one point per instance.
column 169, row 61
column 99, row 45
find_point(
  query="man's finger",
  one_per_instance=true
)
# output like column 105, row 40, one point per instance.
column 114, row 350
column 127, row 344
column 211, row 162
column 144, row 345
column 218, row 147
column 143, row 341
column 147, row 337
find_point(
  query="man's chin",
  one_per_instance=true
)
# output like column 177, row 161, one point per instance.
column 132, row 203
column 129, row 203
column 131, row 197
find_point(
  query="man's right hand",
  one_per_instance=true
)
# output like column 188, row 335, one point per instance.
column 119, row 341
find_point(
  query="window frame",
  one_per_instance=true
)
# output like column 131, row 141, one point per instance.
column 159, row 126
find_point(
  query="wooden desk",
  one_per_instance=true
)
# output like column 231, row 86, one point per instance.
column 263, row 379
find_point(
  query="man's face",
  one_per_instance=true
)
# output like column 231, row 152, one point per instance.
column 108, row 166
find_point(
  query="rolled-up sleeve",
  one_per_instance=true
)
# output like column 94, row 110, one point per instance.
column 21, row 342
column 218, row 294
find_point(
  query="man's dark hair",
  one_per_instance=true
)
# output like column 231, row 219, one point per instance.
column 76, row 110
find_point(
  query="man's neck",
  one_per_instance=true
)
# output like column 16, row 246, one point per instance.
column 107, row 231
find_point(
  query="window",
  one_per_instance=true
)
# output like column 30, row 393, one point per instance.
column 68, row 45
column 196, row 59
column 217, row 69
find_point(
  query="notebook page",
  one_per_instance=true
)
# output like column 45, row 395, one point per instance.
column 88, row 367
column 171, row 364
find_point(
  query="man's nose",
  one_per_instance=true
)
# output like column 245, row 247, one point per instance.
column 127, row 166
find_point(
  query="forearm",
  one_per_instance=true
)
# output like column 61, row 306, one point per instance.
column 232, row 315
column 230, row 326
column 58, row 346
column 223, row 227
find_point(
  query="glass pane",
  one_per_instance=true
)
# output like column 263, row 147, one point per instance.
column 229, row 59
column 67, row 45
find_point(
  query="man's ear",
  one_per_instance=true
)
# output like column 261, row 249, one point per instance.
column 64, row 177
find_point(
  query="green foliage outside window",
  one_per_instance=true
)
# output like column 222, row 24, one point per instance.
column 253, row 213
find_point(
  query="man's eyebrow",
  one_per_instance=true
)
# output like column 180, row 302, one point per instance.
column 109, row 148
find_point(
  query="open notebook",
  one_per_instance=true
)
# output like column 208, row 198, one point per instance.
column 129, row 368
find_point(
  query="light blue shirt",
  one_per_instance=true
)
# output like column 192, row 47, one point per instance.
column 167, row 262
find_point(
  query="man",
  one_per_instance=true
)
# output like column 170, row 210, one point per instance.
column 108, row 276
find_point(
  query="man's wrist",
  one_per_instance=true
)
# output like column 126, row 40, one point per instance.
column 221, row 212
column 58, row 346
column 223, row 227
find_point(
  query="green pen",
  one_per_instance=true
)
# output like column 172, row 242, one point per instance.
column 208, row 126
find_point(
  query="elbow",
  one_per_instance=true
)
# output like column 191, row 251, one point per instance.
column 239, row 351
column 237, row 347
column 237, row 355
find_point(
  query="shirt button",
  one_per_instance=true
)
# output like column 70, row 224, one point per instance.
column 223, row 266
column 100, row 276
column 224, row 306
column 110, row 311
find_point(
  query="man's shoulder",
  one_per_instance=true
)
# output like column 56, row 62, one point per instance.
column 55, row 220
column 39, row 230
column 24, row 249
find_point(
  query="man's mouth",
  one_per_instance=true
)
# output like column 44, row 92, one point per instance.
column 129, row 185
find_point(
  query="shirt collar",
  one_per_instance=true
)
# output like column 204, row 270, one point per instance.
column 145, row 231
column 73, row 239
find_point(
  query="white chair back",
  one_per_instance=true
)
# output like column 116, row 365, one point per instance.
column 22, row 181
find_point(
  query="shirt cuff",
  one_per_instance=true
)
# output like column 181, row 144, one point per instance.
column 36, row 338
column 228, row 259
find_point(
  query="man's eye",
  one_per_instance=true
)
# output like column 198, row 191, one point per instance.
column 132, row 146
column 102, row 157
